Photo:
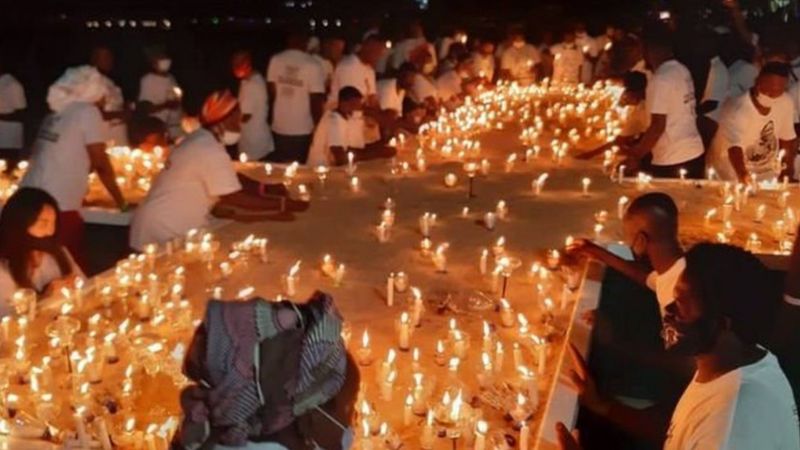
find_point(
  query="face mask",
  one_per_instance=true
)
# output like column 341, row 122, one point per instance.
column 164, row 64
column 518, row 44
column 765, row 100
column 230, row 137
column 688, row 339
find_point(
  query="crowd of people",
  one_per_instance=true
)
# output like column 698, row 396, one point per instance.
column 324, row 101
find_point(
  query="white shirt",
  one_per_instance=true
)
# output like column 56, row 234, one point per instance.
column 663, row 284
column 158, row 89
column 351, row 71
column 483, row 66
column 12, row 98
column 638, row 120
column 742, row 125
column 589, row 47
column 567, row 63
column 296, row 75
column 327, row 67
column 46, row 272
column 333, row 130
column 116, row 130
column 519, row 61
column 750, row 408
column 422, row 89
column 448, row 85
column 401, row 52
column 742, row 76
column 198, row 171
column 717, row 86
column 256, row 140
column 60, row 162
column 389, row 97
column 671, row 92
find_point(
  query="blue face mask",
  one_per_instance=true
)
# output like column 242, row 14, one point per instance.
column 347, row 432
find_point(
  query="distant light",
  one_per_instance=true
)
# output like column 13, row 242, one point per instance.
column 132, row 23
column 215, row 20
column 268, row 20
column 338, row 22
column 122, row 23
column 312, row 23
column 109, row 24
column 167, row 24
column 325, row 23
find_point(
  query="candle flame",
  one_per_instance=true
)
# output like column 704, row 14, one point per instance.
column 365, row 339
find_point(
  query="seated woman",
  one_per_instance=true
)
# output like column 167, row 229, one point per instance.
column 30, row 255
column 200, row 177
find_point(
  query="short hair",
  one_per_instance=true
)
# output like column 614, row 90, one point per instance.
column 406, row 67
column 660, row 211
column 657, row 35
column 733, row 284
column 635, row 81
column 775, row 68
column 348, row 93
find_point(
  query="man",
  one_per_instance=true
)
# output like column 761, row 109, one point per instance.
column 297, row 96
column 12, row 112
column 453, row 84
column 114, row 112
column 256, row 141
column 483, row 65
column 567, row 59
column 739, row 397
column 415, row 38
column 392, row 96
column 591, row 52
column 650, row 225
column 71, row 144
column 199, row 176
column 331, row 53
column 672, row 140
column 457, row 36
column 332, row 139
column 423, row 90
column 159, row 88
column 754, row 127
column 520, row 60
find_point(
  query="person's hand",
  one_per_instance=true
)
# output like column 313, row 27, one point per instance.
column 589, row 317
column 584, row 247
column 57, row 284
column 583, row 383
column 567, row 440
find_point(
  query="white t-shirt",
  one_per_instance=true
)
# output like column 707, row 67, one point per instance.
column 717, row 86
column 116, row 130
column 256, row 140
column 158, row 89
column 567, row 63
column 448, row 85
column 742, row 76
column 483, row 66
column 60, row 162
column 638, row 120
column 742, row 125
column 351, row 71
column 333, row 130
column 671, row 92
column 198, row 171
column 401, row 52
column 663, row 284
column 47, row 271
column 794, row 94
column 750, row 408
column 422, row 89
column 389, row 97
column 12, row 98
column 296, row 75
column 327, row 67
column 519, row 61
column 589, row 47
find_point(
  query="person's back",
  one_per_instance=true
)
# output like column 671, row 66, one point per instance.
column 351, row 71
column 12, row 100
column 60, row 162
column 296, row 75
column 332, row 131
column 520, row 61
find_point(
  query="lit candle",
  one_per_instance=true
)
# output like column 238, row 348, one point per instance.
column 417, row 307
column 328, row 266
column 450, row 180
column 501, row 210
column 338, row 276
column 622, row 205
column 364, row 353
column 382, row 230
column 80, row 427
column 524, row 436
column 490, row 220
column 541, row 353
column 553, row 259
column 408, row 413
column 506, row 314
column 481, row 429
column 387, row 386
column 586, row 182
column 404, row 332
column 291, row 280
column 415, row 363
column 439, row 356
column 517, row 355
column 401, row 282
column 390, row 290
column 355, row 185
column 761, row 212
column 427, row 437
column 440, row 258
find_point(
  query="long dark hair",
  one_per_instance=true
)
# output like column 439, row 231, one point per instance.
column 17, row 246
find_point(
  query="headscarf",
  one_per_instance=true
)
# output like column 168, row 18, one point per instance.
column 77, row 84
column 217, row 107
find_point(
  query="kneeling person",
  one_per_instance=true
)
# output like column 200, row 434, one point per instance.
column 332, row 142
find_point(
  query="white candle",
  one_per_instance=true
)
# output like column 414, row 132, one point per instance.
column 80, row 427
column 390, row 290
column 102, row 431
column 585, row 184
column 427, row 437
column 417, row 307
column 490, row 220
column 450, row 180
column 481, row 429
column 364, row 353
column 404, row 332
column 524, row 436
column 387, row 386
column 517, row 354
column 506, row 314
column 339, row 275
column 541, row 353
column 408, row 413
column 501, row 210
column 439, row 356
column 484, row 261
column 621, row 206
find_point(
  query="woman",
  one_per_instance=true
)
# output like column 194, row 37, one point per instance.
column 30, row 253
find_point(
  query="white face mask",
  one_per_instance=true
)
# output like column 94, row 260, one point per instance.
column 765, row 100
column 164, row 64
column 230, row 137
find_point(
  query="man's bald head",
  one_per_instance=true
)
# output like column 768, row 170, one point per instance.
column 655, row 214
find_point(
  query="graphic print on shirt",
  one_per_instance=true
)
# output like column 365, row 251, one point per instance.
column 760, row 155
column 290, row 80
column 46, row 132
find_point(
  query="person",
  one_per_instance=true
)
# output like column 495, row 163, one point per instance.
column 331, row 53
column 12, row 113
column 414, row 39
column 296, row 86
column 159, row 88
column 672, row 139
column 520, row 60
column 114, row 113
column 70, row 144
column 198, row 176
column 392, row 96
column 458, row 35
column 715, row 91
column 739, row 396
column 742, row 72
column 31, row 256
column 332, row 139
column 454, row 83
column 147, row 133
column 423, row 90
column 567, row 59
column 650, row 225
column 483, row 64
column 754, row 128
column 590, row 48
column 256, row 140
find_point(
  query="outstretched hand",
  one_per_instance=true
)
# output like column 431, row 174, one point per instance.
column 567, row 440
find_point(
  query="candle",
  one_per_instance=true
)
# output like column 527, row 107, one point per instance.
column 12, row 404
column 382, row 230
column 404, row 332
column 364, row 353
column 517, row 354
column 291, row 280
column 484, row 261
column 355, row 185
column 485, row 375
column 506, row 314
column 351, row 162
column 425, row 246
column 440, row 258
column 338, row 276
column 621, row 173
column 524, row 436
column 328, row 266
column 415, row 365
column 710, row 215
column 465, row 212
column 401, row 282
column 387, row 386
column 450, row 180
column 541, row 353
column 390, row 290
column 528, row 382
column 440, row 357
column 481, row 429
column 417, row 307
column 427, row 437
column 102, row 431
column 553, row 259
column 408, row 413
column 585, row 184
column 459, row 345
column 501, row 210
column 490, row 220
column 80, row 427
column 425, row 223
column 761, row 212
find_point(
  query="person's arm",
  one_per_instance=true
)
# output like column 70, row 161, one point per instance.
column 631, row 269
column 272, row 92
column 658, row 123
column 790, row 147
column 317, row 106
column 736, row 157
column 105, row 171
